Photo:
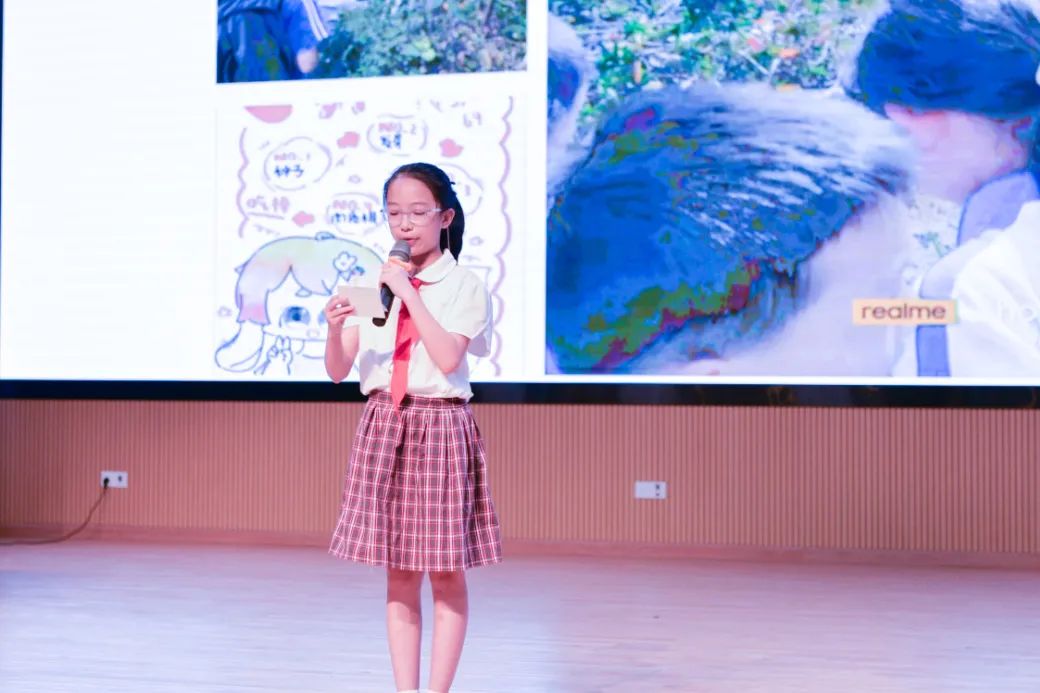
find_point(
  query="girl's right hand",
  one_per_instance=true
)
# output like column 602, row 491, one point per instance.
column 337, row 310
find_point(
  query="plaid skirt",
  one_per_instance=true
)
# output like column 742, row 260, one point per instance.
column 416, row 496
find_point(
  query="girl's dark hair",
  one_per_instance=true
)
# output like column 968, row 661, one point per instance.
column 443, row 191
column 954, row 55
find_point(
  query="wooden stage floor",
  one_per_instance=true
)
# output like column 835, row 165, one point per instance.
column 148, row 618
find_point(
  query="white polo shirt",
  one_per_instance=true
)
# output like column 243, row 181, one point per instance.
column 998, row 304
column 460, row 302
column 995, row 281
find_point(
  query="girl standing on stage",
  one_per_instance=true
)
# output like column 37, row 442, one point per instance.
column 416, row 498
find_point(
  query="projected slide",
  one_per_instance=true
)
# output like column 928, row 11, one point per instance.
column 700, row 191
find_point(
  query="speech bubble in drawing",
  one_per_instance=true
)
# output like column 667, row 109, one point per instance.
column 297, row 163
column 354, row 214
column 399, row 135
column 469, row 189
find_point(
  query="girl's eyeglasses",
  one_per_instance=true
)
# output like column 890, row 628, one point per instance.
column 415, row 217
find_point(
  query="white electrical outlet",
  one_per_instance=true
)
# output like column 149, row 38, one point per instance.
column 655, row 490
column 115, row 479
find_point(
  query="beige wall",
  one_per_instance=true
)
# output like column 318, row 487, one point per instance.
column 768, row 479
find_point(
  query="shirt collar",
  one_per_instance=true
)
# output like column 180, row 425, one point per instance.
column 438, row 270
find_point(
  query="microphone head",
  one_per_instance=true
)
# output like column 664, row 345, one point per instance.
column 402, row 251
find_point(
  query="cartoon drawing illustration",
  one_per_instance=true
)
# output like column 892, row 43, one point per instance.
column 280, row 294
column 288, row 170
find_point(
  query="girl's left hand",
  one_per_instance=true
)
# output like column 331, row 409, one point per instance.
column 395, row 277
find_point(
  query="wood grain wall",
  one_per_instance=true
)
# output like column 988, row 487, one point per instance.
column 754, row 479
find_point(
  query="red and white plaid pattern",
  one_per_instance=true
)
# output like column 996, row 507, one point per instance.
column 416, row 495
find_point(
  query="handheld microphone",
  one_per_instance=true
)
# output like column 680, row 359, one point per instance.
column 403, row 252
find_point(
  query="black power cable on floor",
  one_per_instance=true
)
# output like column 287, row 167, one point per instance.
column 67, row 535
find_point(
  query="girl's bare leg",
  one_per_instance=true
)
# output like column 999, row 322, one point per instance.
column 404, row 625
column 450, row 616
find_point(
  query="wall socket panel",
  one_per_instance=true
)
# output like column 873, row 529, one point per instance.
column 654, row 490
column 115, row 479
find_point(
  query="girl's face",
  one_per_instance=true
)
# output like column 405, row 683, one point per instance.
column 962, row 151
column 415, row 217
column 997, row 147
column 295, row 312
